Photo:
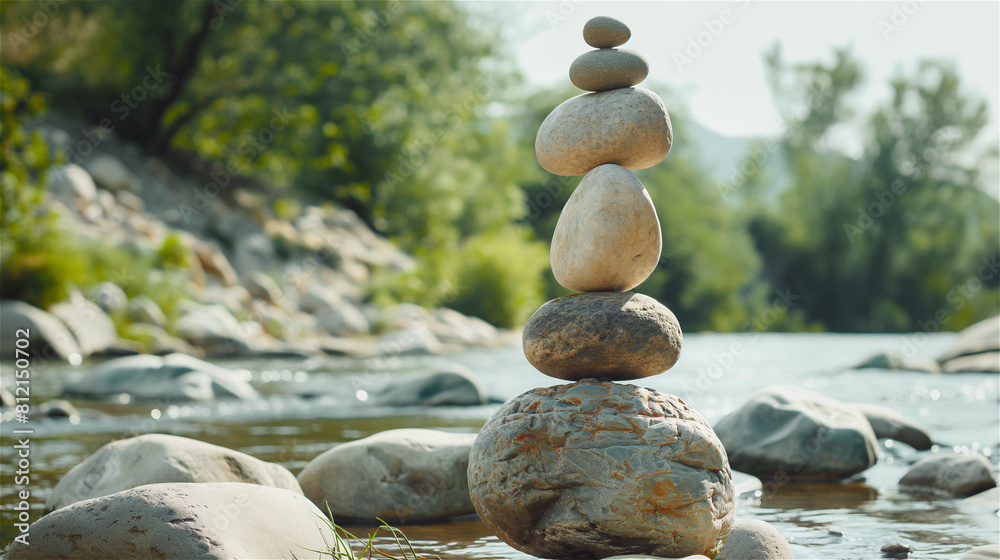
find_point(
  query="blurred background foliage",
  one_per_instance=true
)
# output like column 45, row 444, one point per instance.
column 410, row 115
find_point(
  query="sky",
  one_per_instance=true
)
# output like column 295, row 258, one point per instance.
column 710, row 53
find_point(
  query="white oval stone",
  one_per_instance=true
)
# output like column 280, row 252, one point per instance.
column 607, row 238
column 629, row 127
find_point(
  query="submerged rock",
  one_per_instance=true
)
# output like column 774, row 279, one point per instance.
column 451, row 386
column 407, row 475
column 593, row 469
column 887, row 423
column 891, row 360
column 181, row 521
column 786, row 431
column 175, row 377
column 962, row 475
column 156, row 458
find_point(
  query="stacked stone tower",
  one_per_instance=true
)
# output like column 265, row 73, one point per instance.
column 597, row 468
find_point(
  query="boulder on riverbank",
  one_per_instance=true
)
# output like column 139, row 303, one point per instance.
column 961, row 475
column 181, row 521
column 406, row 475
column 175, row 377
column 449, row 386
column 49, row 336
column 977, row 349
column 786, row 432
column 158, row 458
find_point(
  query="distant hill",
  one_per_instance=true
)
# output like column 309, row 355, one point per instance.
column 721, row 157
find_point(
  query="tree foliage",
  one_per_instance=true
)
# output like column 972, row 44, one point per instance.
column 902, row 239
column 403, row 112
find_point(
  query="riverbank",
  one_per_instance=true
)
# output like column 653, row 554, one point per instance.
column 217, row 267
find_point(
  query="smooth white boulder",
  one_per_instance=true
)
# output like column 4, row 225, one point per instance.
column 181, row 521
column 608, row 237
column 406, row 475
column 156, row 458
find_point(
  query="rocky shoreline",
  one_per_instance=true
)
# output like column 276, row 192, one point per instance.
column 254, row 284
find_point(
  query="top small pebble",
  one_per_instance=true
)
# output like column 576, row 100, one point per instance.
column 604, row 32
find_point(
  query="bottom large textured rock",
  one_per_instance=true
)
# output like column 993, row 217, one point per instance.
column 594, row 469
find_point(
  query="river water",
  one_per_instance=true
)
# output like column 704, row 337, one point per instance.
column 713, row 375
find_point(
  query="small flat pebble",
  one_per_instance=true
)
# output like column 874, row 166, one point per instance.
column 606, row 69
column 605, row 32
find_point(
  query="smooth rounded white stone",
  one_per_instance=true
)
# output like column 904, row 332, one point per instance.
column 607, row 238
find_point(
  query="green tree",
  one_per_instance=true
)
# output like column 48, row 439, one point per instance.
column 890, row 241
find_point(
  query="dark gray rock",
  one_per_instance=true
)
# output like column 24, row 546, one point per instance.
column 181, row 521
column 175, row 377
column 156, row 458
column 605, row 335
column 449, row 386
column 887, row 423
column 788, row 432
column 48, row 338
column 962, row 475
column 753, row 539
column 593, row 469
column 408, row 475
